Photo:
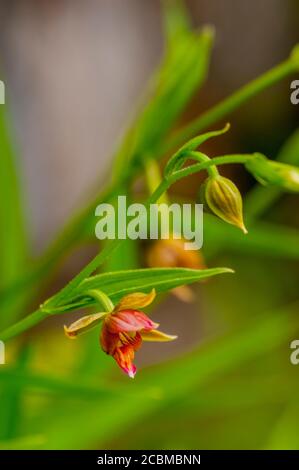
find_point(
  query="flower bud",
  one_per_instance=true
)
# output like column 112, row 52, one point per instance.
column 275, row 173
column 224, row 200
column 171, row 253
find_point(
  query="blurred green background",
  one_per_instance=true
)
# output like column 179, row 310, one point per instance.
column 75, row 73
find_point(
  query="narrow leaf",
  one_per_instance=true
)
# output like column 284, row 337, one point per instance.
column 116, row 284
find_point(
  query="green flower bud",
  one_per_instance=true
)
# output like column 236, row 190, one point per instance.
column 278, row 174
column 224, row 200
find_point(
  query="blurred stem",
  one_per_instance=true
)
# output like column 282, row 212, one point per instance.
column 23, row 325
column 154, row 178
column 233, row 102
column 12, row 398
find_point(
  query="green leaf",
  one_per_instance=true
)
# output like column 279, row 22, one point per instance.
column 182, row 71
column 12, row 399
column 12, row 234
column 178, row 159
column 13, row 239
column 176, row 21
column 119, row 283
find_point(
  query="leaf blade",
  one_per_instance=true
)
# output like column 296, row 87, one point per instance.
column 116, row 284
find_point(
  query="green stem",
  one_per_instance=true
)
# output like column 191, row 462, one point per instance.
column 23, row 325
column 233, row 102
column 154, row 178
column 201, row 157
column 97, row 261
column 102, row 298
column 221, row 160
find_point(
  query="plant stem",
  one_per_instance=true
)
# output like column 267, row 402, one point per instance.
column 201, row 157
column 102, row 298
column 231, row 103
column 23, row 325
column 97, row 261
column 221, row 160
column 154, row 178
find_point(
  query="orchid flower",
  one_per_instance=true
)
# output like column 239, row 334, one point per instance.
column 124, row 328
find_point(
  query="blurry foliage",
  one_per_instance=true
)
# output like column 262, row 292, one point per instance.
column 236, row 389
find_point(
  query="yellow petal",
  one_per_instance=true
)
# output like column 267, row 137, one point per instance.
column 136, row 300
column 156, row 335
column 83, row 324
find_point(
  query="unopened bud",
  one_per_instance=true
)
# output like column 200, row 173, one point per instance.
column 224, row 200
column 274, row 173
column 171, row 253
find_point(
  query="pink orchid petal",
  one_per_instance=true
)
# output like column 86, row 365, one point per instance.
column 129, row 320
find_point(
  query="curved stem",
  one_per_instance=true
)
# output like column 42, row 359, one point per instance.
column 222, row 160
column 102, row 298
column 201, row 157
